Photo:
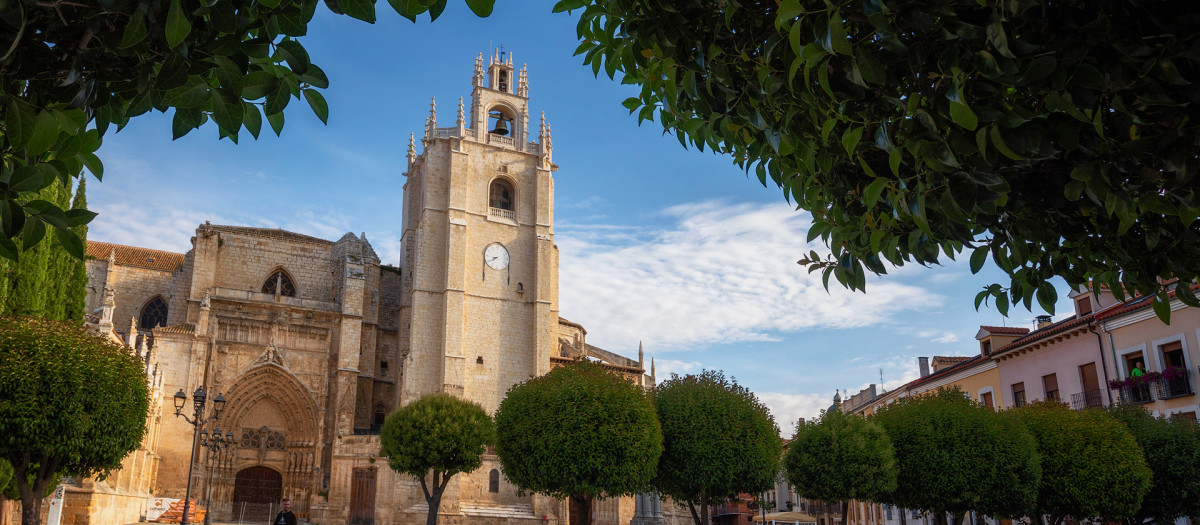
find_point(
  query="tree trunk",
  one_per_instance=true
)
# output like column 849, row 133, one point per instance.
column 435, row 503
column 845, row 508
column 695, row 515
column 705, row 519
column 433, row 496
column 903, row 518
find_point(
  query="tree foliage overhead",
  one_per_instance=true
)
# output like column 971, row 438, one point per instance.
column 719, row 441
column 70, row 402
column 1091, row 464
column 1057, row 138
column 1172, row 450
column 578, row 432
column 956, row 456
column 70, row 70
column 841, row 458
column 436, row 437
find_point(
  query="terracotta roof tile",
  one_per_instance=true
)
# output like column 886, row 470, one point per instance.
column 1137, row 303
column 964, row 363
column 270, row 233
column 1005, row 330
column 1061, row 326
column 183, row 328
column 134, row 256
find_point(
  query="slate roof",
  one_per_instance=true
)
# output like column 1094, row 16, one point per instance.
column 136, row 257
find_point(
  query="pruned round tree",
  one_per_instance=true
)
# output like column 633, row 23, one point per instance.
column 1172, row 450
column 719, row 441
column 1053, row 138
column 433, row 439
column 1092, row 467
column 578, row 433
column 71, row 402
column 841, row 458
column 955, row 456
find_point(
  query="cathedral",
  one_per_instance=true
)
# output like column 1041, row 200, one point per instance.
column 312, row 342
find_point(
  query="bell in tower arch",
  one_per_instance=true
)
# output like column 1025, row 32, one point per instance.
column 501, row 123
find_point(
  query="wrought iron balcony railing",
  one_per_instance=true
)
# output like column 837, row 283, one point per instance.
column 1087, row 399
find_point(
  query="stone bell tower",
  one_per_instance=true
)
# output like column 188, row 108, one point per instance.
column 479, row 301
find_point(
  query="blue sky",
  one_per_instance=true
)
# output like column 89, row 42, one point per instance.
column 672, row 247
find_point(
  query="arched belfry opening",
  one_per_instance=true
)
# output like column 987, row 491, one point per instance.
column 502, row 199
column 500, row 121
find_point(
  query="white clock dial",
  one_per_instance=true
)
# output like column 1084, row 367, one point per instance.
column 496, row 256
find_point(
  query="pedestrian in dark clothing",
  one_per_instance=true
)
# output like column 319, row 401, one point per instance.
column 285, row 516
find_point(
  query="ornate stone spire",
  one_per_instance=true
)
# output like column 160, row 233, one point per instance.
column 523, row 81
column 133, row 333
column 545, row 144
column 477, row 80
column 431, row 122
column 462, row 120
column 412, row 150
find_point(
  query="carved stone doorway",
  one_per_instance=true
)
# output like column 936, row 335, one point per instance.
column 257, row 492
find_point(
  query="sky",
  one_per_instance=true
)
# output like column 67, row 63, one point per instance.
column 672, row 248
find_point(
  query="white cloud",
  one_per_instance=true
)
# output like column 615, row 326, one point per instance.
column 663, row 368
column 146, row 225
column 789, row 408
column 719, row 272
column 938, row 336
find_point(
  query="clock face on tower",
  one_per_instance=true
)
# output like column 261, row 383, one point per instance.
column 496, row 256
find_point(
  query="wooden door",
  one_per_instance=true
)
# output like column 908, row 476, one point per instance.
column 1090, row 381
column 257, row 492
column 576, row 510
column 362, row 497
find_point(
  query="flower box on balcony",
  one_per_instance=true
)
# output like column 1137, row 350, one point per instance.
column 1174, row 382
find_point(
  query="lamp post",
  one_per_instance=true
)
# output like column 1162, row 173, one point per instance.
column 214, row 446
column 199, row 398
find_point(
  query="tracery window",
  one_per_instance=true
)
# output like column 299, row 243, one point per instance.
column 255, row 438
column 500, row 196
column 154, row 313
column 250, row 438
column 279, row 283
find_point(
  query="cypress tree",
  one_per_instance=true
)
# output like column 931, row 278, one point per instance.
column 30, row 290
column 57, row 266
column 75, row 294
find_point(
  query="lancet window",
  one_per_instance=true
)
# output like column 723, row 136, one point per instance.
column 154, row 313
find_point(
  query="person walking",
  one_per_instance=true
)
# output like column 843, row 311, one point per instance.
column 285, row 516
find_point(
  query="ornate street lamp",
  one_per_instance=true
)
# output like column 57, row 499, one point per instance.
column 214, row 446
column 199, row 398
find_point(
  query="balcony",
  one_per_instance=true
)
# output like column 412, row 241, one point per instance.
column 1176, row 386
column 1087, row 399
column 503, row 213
column 1136, row 395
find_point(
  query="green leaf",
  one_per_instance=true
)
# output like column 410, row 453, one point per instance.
column 361, row 9
column 978, row 257
column 191, row 95
column 71, row 242
column 315, row 77
column 178, row 26
column 481, row 8
column 894, row 158
column 227, row 111
column 79, row 217
column 93, row 164
column 295, row 55
column 19, row 123
column 871, row 194
column 32, row 234
column 276, row 121
column 45, row 131
column 998, row 142
column 135, row 30
column 251, row 119
column 962, row 115
column 27, row 179
column 278, row 99
column 257, row 84
column 1047, row 296
column 1162, row 307
column 850, row 139
column 318, row 105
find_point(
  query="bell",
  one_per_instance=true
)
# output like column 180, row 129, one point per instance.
column 501, row 127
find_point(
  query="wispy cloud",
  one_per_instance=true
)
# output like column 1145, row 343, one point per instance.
column 717, row 272
column 665, row 367
column 789, row 408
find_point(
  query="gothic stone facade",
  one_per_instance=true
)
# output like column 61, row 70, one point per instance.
column 313, row 341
